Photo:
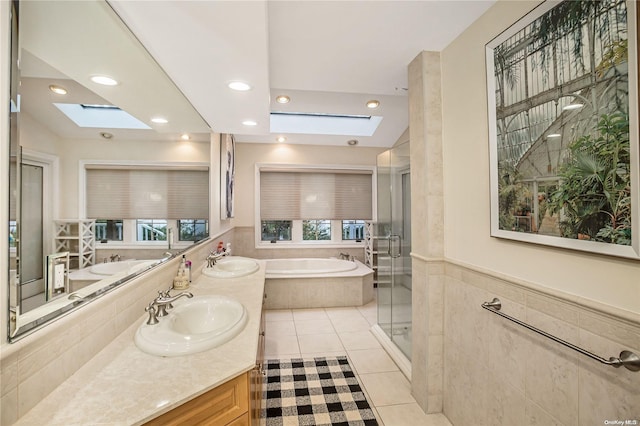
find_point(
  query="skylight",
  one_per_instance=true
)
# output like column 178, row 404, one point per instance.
column 324, row 124
column 100, row 116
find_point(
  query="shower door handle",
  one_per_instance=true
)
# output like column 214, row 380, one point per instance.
column 398, row 253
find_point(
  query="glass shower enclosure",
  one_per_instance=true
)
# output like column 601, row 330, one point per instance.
column 393, row 246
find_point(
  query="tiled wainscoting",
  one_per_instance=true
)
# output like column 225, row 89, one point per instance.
column 499, row 373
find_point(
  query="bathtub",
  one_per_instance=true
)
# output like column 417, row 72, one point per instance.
column 307, row 267
column 317, row 283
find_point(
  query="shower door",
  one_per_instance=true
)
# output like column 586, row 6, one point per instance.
column 393, row 237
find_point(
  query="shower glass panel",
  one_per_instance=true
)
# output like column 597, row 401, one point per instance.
column 393, row 237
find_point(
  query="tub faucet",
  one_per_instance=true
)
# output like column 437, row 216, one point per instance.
column 114, row 258
column 346, row 256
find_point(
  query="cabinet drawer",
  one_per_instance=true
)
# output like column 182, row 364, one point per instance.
column 219, row 406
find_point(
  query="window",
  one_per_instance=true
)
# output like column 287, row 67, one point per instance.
column 151, row 230
column 192, row 229
column 353, row 230
column 109, row 230
column 302, row 205
column 319, row 230
column 13, row 233
column 276, row 230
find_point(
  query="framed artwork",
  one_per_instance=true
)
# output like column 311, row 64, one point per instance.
column 563, row 127
column 227, row 175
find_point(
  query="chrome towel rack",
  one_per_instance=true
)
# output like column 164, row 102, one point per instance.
column 628, row 359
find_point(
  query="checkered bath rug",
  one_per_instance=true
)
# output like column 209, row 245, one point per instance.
column 322, row 391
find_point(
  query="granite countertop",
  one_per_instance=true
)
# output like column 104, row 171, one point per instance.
column 122, row 385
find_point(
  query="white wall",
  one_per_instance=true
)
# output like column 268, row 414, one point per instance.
column 248, row 154
column 609, row 280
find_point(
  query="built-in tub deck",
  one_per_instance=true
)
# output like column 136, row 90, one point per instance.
column 317, row 283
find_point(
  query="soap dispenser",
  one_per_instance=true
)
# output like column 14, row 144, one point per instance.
column 181, row 281
column 178, row 282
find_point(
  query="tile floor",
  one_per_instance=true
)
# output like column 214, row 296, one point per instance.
column 307, row 333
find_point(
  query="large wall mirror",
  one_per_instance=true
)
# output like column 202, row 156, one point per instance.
column 78, row 140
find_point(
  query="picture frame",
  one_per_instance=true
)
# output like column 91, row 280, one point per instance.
column 227, row 175
column 562, row 90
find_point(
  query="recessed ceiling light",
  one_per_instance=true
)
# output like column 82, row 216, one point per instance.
column 159, row 120
column 373, row 104
column 281, row 139
column 249, row 123
column 283, row 99
column 352, row 142
column 554, row 135
column 106, row 135
column 240, row 86
column 104, row 80
column 185, row 137
column 572, row 106
column 58, row 89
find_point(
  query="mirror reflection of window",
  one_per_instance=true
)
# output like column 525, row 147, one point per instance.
column 109, row 230
column 13, row 233
column 151, row 230
column 192, row 229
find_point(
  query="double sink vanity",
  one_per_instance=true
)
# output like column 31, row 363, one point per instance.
column 202, row 362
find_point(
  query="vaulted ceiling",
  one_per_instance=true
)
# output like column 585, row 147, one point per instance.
column 329, row 57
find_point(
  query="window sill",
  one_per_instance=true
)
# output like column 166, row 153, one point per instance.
column 142, row 245
column 308, row 245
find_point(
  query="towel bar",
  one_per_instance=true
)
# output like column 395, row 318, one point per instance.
column 628, row 359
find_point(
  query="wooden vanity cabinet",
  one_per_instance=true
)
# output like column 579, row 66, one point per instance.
column 237, row 402
column 227, row 404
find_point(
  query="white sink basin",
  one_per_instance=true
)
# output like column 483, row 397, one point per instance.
column 231, row 267
column 194, row 325
column 113, row 268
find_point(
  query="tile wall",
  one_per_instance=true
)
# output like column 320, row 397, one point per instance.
column 499, row 373
column 288, row 293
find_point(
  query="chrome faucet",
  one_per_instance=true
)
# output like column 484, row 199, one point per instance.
column 214, row 257
column 159, row 306
column 346, row 256
column 165, row 300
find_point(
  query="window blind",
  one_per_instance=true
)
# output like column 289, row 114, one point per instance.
column 126, row 193
column 306, row 195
